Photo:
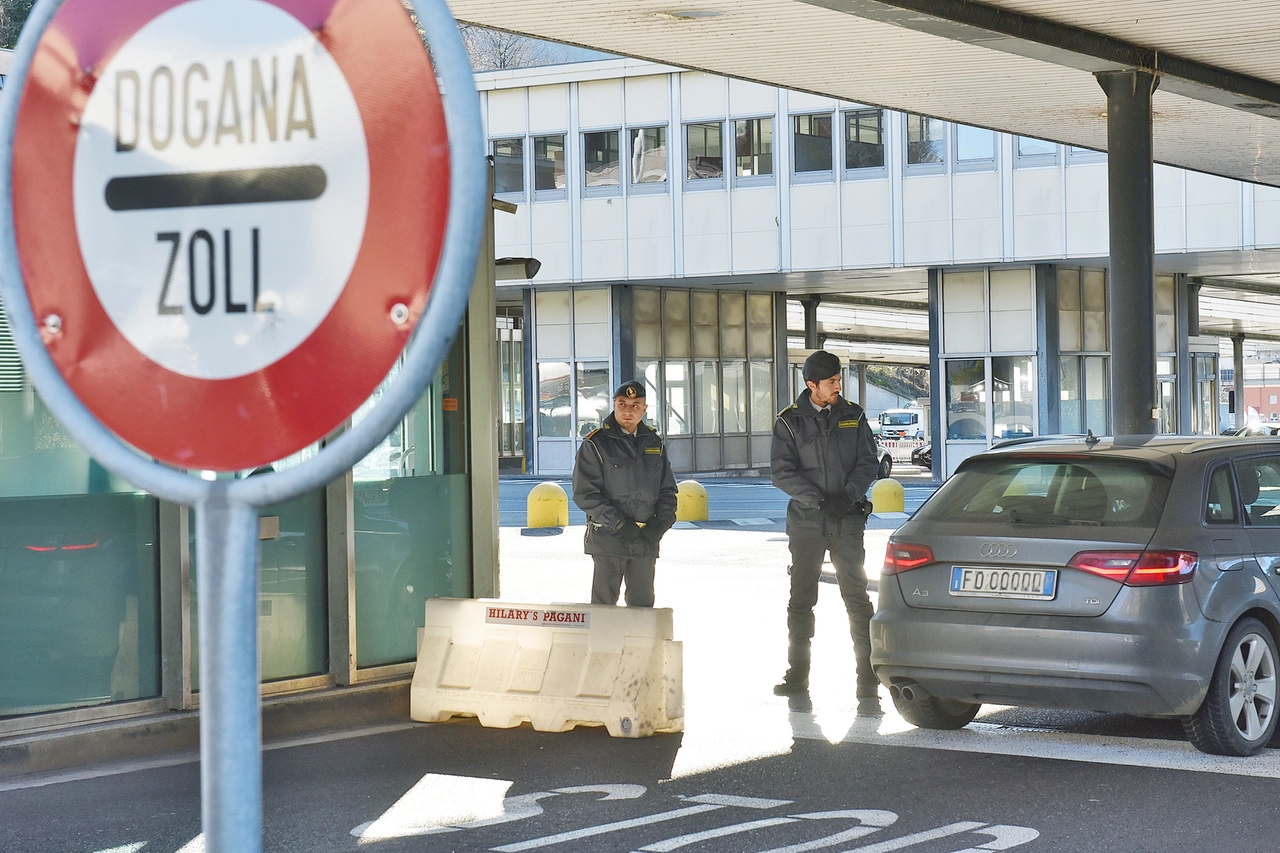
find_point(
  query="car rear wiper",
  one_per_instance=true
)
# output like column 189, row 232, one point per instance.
column 1018, row 517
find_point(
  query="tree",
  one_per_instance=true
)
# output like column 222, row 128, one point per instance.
column 494, row 50
column 13, row 14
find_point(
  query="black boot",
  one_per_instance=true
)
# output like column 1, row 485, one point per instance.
column 795, row 682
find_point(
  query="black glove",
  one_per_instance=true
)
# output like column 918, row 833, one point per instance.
column 629, row 531
column 836, row 507
column 864, row 507
column 652, row 532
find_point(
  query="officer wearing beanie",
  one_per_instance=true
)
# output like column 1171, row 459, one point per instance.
column 622, row 480
column 824, row 457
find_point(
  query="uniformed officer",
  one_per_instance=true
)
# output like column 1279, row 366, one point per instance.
column 824, row 457
column 622, row 480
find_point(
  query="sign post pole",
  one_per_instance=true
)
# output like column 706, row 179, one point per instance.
column 195, row 294
column 230, row 720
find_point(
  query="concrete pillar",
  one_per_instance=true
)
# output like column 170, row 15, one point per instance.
column 1131, row 208
column 811, row 339
column 1237, row 360
column 862, row 385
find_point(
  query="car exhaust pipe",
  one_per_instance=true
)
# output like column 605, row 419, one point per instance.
column 894, row 691
column 910, row 692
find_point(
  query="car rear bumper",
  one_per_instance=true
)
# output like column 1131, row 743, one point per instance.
column 1076, row 663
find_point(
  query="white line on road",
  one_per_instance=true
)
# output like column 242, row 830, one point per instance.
column 871, row 820
column 719, row 832
column 737, row 802
column 590, row 831
column 918, row 837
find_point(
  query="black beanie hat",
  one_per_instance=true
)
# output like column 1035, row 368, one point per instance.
column 819, row 366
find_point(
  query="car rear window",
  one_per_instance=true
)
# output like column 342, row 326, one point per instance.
column 1029, row 491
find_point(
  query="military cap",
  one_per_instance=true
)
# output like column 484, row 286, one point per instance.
column 632, row 390
column 819, row 366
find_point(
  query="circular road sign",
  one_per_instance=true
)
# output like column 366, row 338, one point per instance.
column 228, row 214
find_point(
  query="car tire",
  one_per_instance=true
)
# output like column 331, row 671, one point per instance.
column 932, row 712
column 1238, row 715
column 886, row 468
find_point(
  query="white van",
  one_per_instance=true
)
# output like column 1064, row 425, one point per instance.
column 901, row 423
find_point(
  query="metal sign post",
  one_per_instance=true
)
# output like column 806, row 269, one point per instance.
column 257, row 208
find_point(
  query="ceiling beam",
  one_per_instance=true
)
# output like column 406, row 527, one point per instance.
column 992, row 27
column 873, row 302
column 846, row 334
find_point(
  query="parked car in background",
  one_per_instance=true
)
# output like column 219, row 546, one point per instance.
column 923, row 456
column 886, row 461
column 1096, row 574
column 1257, row 430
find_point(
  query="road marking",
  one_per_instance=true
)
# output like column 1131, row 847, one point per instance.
column 126, row 848
column 602, row 829
column 1003, row 838
column 918, row 837
column 195, row 845
column 737, row 802
column 706, row 835
column 871, row 820
column 611, row 792
column 441, row 803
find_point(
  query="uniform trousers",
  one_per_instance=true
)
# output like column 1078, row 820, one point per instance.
column 848, row 557
column 610, row 572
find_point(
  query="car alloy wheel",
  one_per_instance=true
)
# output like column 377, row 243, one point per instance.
column 1238, row 716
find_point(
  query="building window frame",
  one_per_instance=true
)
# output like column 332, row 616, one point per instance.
column 974, row 164
column 862, row 172
column 635, row 187
column 511, row 195
column 756, row 138
column 714, row 182
column 601, row 190
column 924, row 167
column 1078, row 156
column 1035, row 159
column 553, row 193
column 814, row 176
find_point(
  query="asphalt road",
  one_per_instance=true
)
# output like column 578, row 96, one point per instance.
column 749, row 773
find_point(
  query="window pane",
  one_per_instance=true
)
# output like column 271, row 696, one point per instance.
column 1221, row 504
column 548, row 162
column 734, row 398
column 649, row 155
column 1095, row 393
column 754, row 147
column 1029, row 147
column 594, row 401
column 974, row 143
column 966, row 400
column 763, row 409
column 706, row 329
column 1259, row 479
column 678, row 398
column 1166, row 322
column 707, row 392
column 864, row 139
column 1069, row 409
column 600, row 158
column 1093, row 302
column 553, row 399
column 1013, row 396
column 675, row 323
column 813, row 143
column 926, row 140
column 508, row 165
column 648, row 314
column 648, row 373
column 760, row 325
column 1069, row 310
column 733, row 325
column 704, row 151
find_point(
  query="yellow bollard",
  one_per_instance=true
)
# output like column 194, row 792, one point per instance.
column 887, row 496
column 691, row 501
column 548, row 506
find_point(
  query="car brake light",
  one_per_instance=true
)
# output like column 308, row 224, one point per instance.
column 1138, row 568
column 41, row 548
column 83, row 547
column 903, row 556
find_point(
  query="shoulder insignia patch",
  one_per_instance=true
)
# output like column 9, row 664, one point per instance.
column 656, row 451
column 847, row 424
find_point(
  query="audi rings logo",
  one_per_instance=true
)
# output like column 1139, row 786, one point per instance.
column 998, row 549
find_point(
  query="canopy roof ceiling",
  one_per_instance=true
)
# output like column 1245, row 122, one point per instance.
column 1022, row 66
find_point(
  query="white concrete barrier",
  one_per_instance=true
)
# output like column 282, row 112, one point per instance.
column 556, row 665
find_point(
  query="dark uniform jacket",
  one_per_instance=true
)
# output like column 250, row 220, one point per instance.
column 812, row 462
column 618, row 479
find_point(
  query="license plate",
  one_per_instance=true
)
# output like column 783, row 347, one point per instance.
column 990, row 582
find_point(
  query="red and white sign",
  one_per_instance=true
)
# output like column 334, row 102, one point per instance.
column 228, row 243
column 547, row 617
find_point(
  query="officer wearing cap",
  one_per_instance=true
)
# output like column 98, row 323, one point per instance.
column 622, row 480
column 824, row 457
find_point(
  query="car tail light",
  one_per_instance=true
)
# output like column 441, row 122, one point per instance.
column 1138, row 568
column 903, row 556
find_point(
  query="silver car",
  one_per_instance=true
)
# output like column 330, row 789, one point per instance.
column 1136, row 576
